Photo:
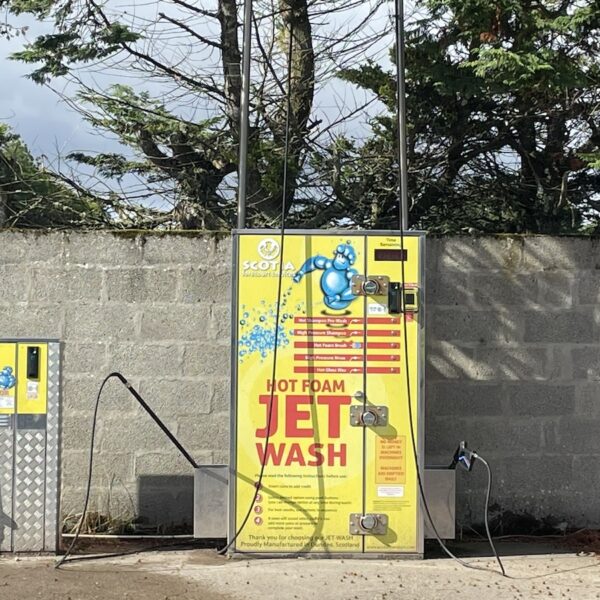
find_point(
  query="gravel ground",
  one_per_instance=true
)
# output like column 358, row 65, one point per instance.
column 533, row 572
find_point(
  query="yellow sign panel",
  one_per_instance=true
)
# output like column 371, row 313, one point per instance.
column 23, row 378
column 339, row 352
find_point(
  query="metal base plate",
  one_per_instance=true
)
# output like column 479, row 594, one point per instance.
column 357, row 412
column 379, row 528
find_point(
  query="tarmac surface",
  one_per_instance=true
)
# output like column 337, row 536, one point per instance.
column 534, row 571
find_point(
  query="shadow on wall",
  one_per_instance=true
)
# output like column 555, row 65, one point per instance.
column 165, row 504
column 513, row 367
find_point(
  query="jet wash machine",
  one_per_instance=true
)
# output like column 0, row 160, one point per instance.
column 327, row 397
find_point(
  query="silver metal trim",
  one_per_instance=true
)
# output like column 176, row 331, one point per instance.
column 231, row 508
column 440, row 491
column 36, row 422
column 29, row 341
column 51, row 525
column 211, row 483
column 421, row 396
column 341, row 232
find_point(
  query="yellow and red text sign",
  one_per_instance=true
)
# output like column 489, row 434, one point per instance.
column 335, row 349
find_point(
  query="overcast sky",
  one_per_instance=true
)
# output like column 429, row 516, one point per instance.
column 35, row 112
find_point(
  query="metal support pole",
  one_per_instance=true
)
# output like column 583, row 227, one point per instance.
column 400, row 78
column 244, row 116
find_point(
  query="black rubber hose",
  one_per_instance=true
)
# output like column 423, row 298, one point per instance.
column 155, row 418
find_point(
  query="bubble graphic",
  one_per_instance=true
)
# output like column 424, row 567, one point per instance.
column 259, row 337
column 262, row 340
column 7, row 379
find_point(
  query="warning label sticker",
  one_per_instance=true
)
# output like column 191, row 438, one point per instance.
column 390, row 491
column 6, row 400
column 390, row 460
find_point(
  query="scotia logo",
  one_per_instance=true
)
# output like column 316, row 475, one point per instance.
column 268, row 250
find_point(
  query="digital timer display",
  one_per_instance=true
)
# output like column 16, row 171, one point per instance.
column 390, row 254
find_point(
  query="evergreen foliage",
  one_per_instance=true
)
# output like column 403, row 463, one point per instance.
column 32, row 197
column 503, row 112
column 503, row 120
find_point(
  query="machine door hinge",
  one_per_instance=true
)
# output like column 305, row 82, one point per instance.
column 372, row 416
column 368, row 524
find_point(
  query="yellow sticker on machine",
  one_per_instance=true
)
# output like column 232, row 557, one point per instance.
column 331, row 343
column 18, row 391
column 33, row 391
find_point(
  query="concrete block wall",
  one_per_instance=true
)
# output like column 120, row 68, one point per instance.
column 155, row 308
column 513, row 364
